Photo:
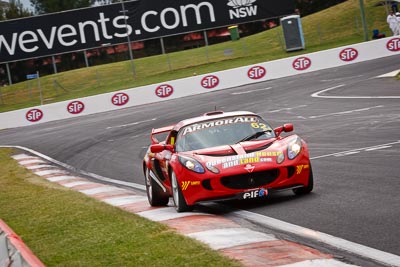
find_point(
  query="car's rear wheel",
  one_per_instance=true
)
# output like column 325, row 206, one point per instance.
column 306, row 189
column 155, row 194
column 179, row 200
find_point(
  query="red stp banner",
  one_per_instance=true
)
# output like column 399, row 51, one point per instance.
column 140, row 20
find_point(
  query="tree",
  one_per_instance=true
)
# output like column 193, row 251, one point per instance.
column 49, row 6
column 311, row 6
column 15, row 10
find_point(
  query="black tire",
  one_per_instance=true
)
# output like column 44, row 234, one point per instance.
column 306, row 189
column 177, row 196
column 155, row 194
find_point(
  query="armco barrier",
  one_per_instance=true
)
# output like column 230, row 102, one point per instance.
column 13, row 251
column 201, row 84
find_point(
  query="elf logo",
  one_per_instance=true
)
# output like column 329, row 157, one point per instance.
column 120, row 99
column 348, row 54
column 34, row 115
column 164, row 90
column 75, row 107
column 256, row 193
column 242, row 9
column 393, row 45
column 302, row 63
column 210, row 82
column 256, row 72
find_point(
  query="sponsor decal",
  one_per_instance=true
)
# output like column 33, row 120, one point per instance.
column 254, row 157
column 210, row 82
column 34, row 115
column 242, row 8
column 75, row 107
column 256, row 193
column 210, row 124
column 348, row 54
column 256, row 72
column 185, row 184
column 301, row 63
column 300, row 168
column 164, row 90
column 393, row 45
column 249, row 168
column 120, row 99
column 262, row 126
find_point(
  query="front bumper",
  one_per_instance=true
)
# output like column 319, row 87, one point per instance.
column 238, row 183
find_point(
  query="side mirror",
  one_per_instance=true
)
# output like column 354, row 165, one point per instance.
column 157, row 148
column 288, row 127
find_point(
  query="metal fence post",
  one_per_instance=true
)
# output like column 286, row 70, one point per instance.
column 206, row 43
column 124, row 11
column 86, row 59
column 164, row 53
column 9, row 74
column 54, row 64
column 40, row 88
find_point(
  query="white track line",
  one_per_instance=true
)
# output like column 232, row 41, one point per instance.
column 129, row 124
column 390, row 74
column 317, row 94
column 353, row 151
column 251, row 91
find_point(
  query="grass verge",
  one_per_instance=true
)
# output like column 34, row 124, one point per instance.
column 65, row 228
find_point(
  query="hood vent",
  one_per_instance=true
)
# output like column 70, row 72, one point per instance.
column 258, row 148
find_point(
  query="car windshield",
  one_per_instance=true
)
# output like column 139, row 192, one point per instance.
column 224, row 131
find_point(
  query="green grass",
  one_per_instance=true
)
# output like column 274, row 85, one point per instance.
column 65, row 228
column 337, row 26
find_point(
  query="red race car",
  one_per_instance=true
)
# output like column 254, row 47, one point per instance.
column 220, row 156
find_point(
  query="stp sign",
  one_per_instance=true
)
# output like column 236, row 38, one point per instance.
column 120, row 99
column 210, row 82
column 256, row 72
column 394, row 45
column 348, row 54
column 34, row 115
column 164, row 90
column 75, row 107
column 302, row 63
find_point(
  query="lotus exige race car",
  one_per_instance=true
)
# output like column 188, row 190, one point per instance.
column 219, row 156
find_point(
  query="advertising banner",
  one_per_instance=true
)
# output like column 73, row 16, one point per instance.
column 87, row 28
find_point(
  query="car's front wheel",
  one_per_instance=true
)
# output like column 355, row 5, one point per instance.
column 179, row 200
column 155, row 194
column 306, row 189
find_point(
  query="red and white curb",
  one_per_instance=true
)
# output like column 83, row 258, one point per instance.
column 250, row 247
column 13, row 251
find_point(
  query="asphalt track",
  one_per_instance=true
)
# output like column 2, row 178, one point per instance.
column 348, row 116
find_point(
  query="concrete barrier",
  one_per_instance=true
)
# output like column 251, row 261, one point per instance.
column 336, row 57
column 13, row 251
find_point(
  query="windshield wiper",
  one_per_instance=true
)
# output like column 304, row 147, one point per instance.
column 253, row 136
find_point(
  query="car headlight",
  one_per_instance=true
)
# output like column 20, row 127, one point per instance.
column 294, row 148
column 280, row 158
column 212, row 169
column 191, row 164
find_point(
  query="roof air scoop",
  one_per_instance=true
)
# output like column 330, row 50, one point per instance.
column 211, row 113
